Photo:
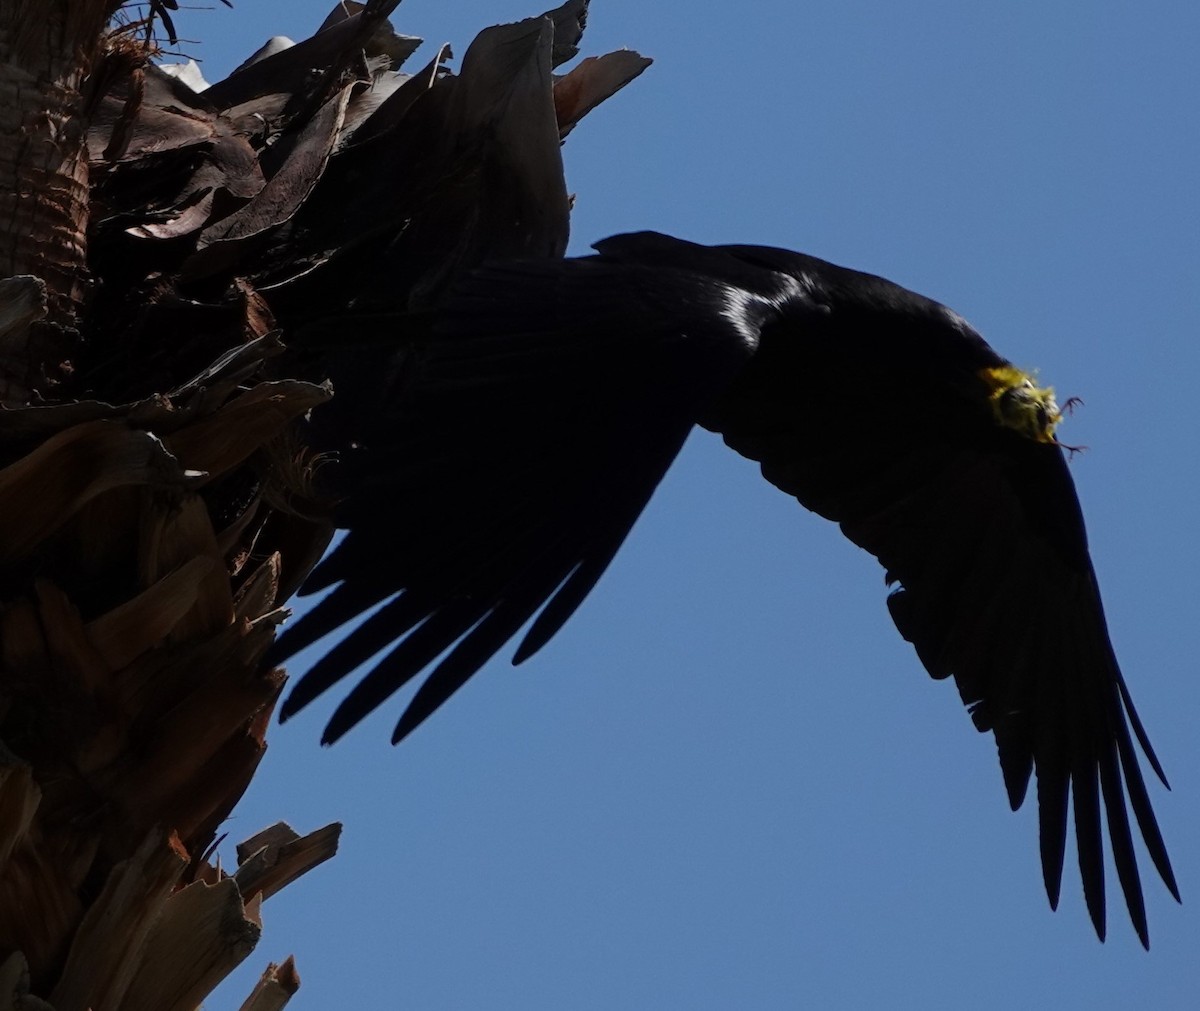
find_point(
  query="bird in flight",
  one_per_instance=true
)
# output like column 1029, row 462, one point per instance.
column 525, row 431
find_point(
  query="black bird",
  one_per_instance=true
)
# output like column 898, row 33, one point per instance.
column 521, row 441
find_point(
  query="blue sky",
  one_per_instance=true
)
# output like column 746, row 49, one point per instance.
column 728, row 782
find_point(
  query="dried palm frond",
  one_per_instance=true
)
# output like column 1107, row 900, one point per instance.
column 156, row 487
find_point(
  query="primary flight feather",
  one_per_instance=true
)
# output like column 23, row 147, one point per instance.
column 513, row 445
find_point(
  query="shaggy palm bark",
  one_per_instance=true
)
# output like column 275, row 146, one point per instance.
column 46, row 52
column 165, row 315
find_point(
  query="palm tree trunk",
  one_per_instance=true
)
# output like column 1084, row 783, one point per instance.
column 47, row 48
column 132, row 719
column 157, row 500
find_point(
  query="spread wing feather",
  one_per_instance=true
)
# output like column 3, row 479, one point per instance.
column 979, row 530
column 534, row 427
column 532, row 432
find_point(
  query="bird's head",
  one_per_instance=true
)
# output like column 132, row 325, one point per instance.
column 1020, row 404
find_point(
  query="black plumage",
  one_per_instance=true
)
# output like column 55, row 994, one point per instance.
column 518, row 442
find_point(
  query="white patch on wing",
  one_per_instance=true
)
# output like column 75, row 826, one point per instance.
column 746, row 310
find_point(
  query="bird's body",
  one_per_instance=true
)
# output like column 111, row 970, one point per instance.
column 525, row 437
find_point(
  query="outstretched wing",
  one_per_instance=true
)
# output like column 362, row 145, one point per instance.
column 979, row 529
column 524, row 443
column 530, row 433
